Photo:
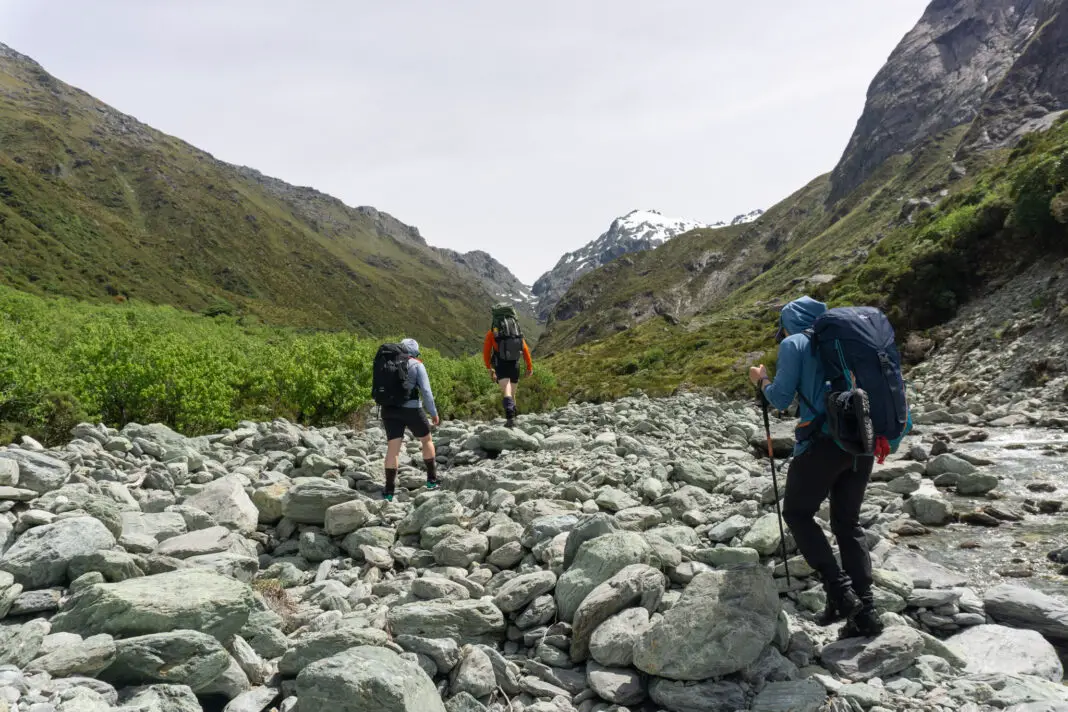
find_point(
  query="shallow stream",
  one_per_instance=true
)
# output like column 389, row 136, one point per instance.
column 988, row 556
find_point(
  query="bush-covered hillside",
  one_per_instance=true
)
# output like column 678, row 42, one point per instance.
column 63, row 361
column 96, row 205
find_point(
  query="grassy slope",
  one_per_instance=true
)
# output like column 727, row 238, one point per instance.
column 925, row 267
column 96, row 205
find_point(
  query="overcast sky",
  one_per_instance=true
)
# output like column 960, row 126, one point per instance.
column 519, row 128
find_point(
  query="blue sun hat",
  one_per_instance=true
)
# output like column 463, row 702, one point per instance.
column 411, row 346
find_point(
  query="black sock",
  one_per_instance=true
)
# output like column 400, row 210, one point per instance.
column 391, row 480
column 431, row 470
column 509, row 406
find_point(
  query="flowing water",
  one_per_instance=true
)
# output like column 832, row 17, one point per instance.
column 988, row 555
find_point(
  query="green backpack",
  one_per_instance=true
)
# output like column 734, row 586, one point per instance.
column 507, row 332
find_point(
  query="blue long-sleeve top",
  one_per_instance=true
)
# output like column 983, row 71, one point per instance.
column 419, row 379
column 798, row 369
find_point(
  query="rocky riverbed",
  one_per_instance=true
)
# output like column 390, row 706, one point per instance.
column 616, row 557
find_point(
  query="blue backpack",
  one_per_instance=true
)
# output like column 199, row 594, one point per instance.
column 866, row 409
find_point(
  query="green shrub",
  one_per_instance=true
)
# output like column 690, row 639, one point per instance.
column 63, row 362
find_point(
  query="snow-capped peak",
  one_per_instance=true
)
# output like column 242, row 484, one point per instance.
column 652, row 225
column 636, row 231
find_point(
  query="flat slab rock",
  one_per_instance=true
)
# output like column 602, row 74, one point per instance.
column 861, row 659
column 998, row 649
column 794, row 696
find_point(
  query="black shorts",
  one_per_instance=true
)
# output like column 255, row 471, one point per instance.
column 507, row 369
column 396, row 419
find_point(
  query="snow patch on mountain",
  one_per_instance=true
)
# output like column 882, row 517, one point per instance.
column 636, row 231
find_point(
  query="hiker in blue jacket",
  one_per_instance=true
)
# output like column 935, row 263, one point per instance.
column 820, row 468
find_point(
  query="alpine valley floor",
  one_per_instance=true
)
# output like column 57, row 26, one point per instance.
column 612, row 557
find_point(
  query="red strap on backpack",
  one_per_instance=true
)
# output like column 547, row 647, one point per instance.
column 882, row 448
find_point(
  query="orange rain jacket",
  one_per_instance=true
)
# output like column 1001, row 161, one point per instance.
column 489, row 346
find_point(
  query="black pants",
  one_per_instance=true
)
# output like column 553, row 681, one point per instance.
column 825, row 469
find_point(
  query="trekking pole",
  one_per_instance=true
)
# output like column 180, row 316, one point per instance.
column 775, row 484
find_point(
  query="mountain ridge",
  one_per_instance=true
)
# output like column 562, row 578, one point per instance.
column 636, row 231
column 98, row 205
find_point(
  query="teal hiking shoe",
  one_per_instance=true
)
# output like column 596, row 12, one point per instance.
column 388, row 496
column 432, row 485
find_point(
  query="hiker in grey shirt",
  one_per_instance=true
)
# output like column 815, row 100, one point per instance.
column 410, row 416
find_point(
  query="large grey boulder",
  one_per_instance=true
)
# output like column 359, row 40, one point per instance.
column 764, row 535
column 461, row 550
column 637, row 584
column 188, row 599
column 520, row 591
column 158, row 525
column 949, row 463
column 347, row 517
column 114, row 564
column 707, row 696
column 928, row 506
column 721, row 624
column 501, row 439
column 474, row 675
column 976, row 483
column 9, row 472
column 86, row 657
column 258, row 699
column 38, row 471
column 227, row 502
column 791, row 696
column 161, row 698
column 597, row 561
column 464, row 621
column 308, row 499
column 40, row 557
column 439, row 509
column 182, row 657
column 213, row 540
column 19, row 644
column 318, row 646
column 366, row 679
column 729, row 528
column 1023, row 607
column 998, row 649
column 617, row 685
column 612, row 644
column 862, row 659
column 586, row 529
column 924, row 573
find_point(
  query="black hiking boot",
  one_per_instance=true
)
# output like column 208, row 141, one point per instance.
column 866, row 624
column 510, row 422
column 391, row 484
column 841, row 604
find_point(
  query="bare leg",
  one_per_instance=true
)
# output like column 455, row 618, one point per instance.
column 428, row 447
column 393, row 448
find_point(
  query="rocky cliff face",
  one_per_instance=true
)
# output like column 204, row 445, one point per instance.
column 943, row 71
column 1033, row 93
column 497, row 279
column 636, row 231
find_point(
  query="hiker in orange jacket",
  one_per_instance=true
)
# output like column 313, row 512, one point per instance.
column 503, row 371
